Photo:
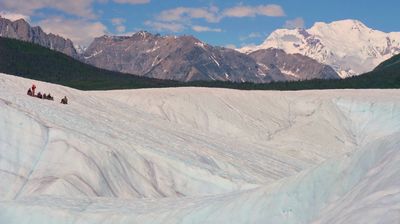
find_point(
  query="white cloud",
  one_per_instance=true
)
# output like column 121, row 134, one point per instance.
column 239, row 11
column 183, row 13
column 13, row 16
column 183, row 17
column 205, row 29
column 118, row 21
column 295, row 23
column 251, row 11
column 251, row 36
column 165, row 26
column 249, row 45
column 213, row 15
column 270, row 10
column 254, row 35
column 72, row 29
column 82, row 8
column 132, row 1
column 120, row 29
column 231, row 46
column 119, row 24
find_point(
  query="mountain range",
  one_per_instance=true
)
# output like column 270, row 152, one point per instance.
column 24, row 59
column 349, row 46
column 183, row 58
column 325, row 51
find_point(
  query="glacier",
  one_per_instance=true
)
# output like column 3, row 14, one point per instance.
column 198, row 155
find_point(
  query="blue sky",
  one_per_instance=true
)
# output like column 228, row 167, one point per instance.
column 218, row 22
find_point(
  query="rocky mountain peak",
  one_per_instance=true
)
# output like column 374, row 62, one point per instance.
column 143, row 34
column 21, row 22
column 21, row 30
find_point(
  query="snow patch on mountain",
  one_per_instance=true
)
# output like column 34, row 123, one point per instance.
column 288, row 72
column 94, row 54
column 80, row 49
column 349, row 46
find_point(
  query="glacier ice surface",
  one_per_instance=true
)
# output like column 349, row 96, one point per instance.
column 198, row 155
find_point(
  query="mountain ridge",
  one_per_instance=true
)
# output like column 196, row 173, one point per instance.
column 22, row 30
column 181, row 58
column 349, row 46
column 33, row 61
column 186, row 58
column 295, row 65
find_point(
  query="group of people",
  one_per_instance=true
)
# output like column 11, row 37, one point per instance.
column 31, row 92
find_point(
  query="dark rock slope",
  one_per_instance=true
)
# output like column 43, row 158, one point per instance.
column 295, row 66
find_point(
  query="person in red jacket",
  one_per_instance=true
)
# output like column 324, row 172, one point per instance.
column 33, row 89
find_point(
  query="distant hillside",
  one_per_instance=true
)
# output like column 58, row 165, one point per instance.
column 393, row 62
column 35, row 62
column 32, row 61
column 385, row 76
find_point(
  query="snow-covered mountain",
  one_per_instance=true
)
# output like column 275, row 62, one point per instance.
column 349, row 46
column 198, row 155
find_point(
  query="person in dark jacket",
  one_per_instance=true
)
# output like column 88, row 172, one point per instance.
column 64, row 100
column 39, row 95
column 49, row 97
column 29, row 93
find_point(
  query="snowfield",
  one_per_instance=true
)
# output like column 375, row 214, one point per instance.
column 198, row 155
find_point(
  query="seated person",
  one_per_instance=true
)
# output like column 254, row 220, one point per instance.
column 29, row 92
column 64, row 100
